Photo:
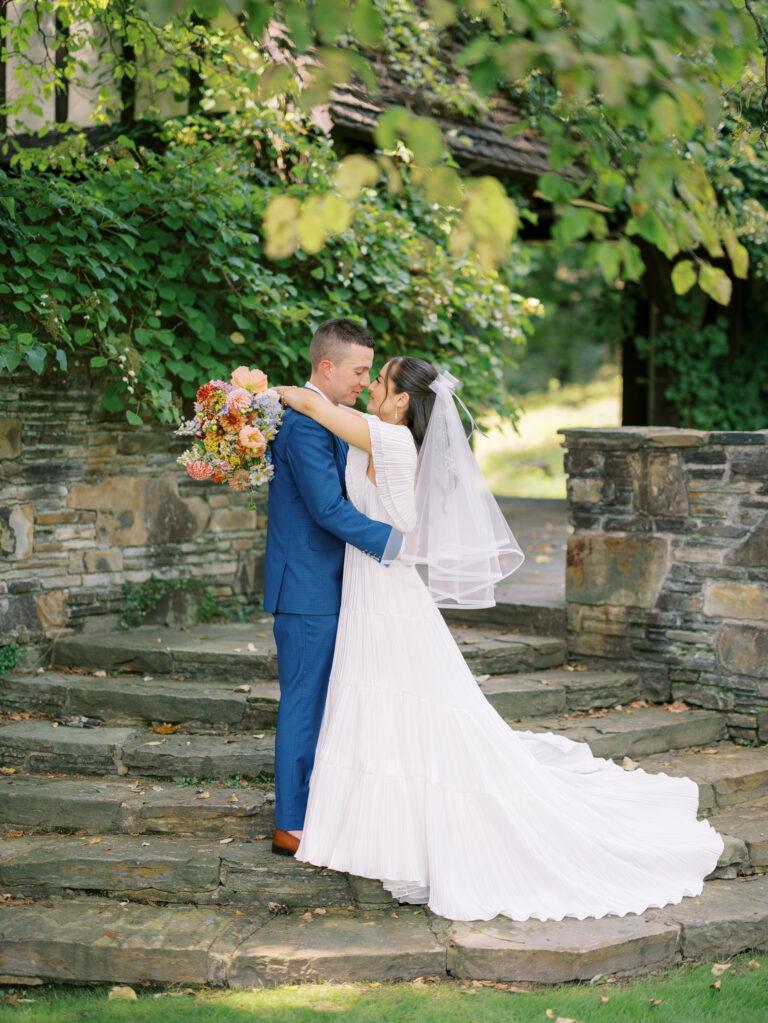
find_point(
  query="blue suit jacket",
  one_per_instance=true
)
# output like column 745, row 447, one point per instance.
column 310, row 520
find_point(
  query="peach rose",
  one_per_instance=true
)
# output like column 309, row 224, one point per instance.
column 253, row 440
column 250, row 379
column 239, row 399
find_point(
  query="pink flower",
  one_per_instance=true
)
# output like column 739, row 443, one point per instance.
column 253, row 439
column 250, row 379
column 199, row 470
column 239, row 398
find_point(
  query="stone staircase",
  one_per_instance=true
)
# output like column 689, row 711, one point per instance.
column 138, row 850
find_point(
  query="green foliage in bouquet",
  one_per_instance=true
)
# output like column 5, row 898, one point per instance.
column 152, row 266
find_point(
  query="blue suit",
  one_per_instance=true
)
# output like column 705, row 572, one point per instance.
column 310, row 521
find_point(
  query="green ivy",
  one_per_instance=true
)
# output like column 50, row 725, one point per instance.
column 9, row 656
column 141, row 598
column 151, row 267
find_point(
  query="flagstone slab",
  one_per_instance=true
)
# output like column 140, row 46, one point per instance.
column 39, row 803
column 100, row 941
column 727, row 774
column 557, row 951
column 556, row 691
column 41, row 746
column 338, row 947
column 124, row 698
column 250, row 871
column 202, row 756
column 155, row 869
column 750, row 823
column 245, row 652
column 633, row 732
column 231, row 651
column 728, row 917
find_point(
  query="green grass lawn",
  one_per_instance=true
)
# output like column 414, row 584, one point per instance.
column 530, row 464
column 681, row 995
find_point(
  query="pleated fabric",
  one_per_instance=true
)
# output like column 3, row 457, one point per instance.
column 420, row 783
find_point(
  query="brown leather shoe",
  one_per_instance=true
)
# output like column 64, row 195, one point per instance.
column 284, row 843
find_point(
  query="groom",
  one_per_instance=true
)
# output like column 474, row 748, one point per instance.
column 310, row 521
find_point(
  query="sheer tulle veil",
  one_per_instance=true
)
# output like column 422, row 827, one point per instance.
column 461, row 545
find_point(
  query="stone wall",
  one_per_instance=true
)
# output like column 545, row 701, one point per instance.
column 667, row 570
column 88, row 502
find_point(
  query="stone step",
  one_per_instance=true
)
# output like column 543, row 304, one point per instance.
column 34, row 803
column 747, row 826
column 728, row 775
column 37, row 746
column 124, row 699
column 632, row 731
column 162, row 869
column 230, row 871
column 238, row 652
column 559, row 690
column 545, row 616
column 95, row 940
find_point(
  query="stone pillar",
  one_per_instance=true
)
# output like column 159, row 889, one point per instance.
column 88, row 502
column 667, row 570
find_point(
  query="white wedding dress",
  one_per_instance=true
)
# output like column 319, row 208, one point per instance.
column 419, row 782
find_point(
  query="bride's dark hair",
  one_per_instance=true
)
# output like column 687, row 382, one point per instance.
column 414, row 377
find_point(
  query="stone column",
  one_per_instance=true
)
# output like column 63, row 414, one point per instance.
column 667, row 570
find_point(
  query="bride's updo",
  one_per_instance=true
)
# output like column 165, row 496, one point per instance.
column 413, row 376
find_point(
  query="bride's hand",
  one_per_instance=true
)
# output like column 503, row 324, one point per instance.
column 293, row 397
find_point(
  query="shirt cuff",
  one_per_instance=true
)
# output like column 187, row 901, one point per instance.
column 393, row 547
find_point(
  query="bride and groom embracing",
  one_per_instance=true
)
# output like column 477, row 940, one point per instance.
column 390, row 763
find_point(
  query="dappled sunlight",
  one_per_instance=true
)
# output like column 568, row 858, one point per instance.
column 735, row 989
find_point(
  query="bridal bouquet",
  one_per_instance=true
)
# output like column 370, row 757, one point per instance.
column 233, row 424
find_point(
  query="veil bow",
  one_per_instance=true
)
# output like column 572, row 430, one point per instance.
column 462, row 544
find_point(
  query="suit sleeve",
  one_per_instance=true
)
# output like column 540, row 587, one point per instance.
column 309, row 454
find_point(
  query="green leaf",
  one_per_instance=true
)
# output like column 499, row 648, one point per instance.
column 367, row 24
column 36, row 358
column 683, row 276
column 716, row 283
column 132, row 418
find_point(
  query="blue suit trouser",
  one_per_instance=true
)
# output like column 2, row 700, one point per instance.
column 305, row 645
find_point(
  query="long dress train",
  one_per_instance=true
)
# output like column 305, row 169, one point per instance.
column 419, row 782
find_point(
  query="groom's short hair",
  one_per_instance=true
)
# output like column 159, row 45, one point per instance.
column 333, row 336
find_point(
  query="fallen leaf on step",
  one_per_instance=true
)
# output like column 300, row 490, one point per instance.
column 320, row 911
column 226, row 841
column 94, row 840
column 7, row 770
column 111, row 934
column 482, row 678
column 233, row 798
column 165, row 729
column 154, row 742
column 628, row 764
column 677, row 706
column 307, row 916
column 145, row 843
column 242, row 689
column 203, row 795
column 100, row 673
column 149, row 678
column 121, row 993
column 718, row 969
column 253, row 648
column 12, row 833
column 541, row 559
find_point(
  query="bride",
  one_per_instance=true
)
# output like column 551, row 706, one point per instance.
column 417, row 780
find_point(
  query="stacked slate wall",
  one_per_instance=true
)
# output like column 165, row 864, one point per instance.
column 667, row 569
